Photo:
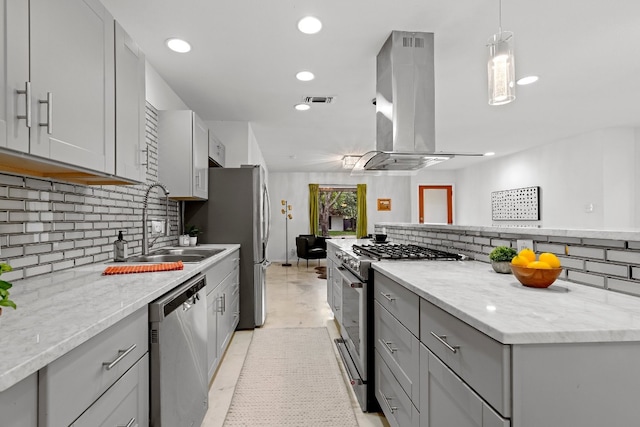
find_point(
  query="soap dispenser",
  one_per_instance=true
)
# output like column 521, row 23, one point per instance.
column 120, row 248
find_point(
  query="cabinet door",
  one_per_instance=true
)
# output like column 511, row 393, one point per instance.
column 126, row 403
column 212, row 328
column 72, row 79
column 14, row 74
column 200, row 159
column 19, row 403
column 445, row 400
column 130, row 107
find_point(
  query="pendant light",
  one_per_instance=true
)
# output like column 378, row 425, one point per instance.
column 501, row 66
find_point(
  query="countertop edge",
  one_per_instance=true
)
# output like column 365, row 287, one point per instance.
column 12, row 373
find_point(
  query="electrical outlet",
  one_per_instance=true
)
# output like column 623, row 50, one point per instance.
column 157, row 227
column 521, row 244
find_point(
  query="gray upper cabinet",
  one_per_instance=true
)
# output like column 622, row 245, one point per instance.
column 14, row 75
column 58, row 85
column 130, row 108
column 183, row 154
column 72, row 69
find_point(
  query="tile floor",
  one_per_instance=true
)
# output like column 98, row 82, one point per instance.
column 295, row 298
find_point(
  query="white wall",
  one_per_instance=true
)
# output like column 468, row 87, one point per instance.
column 596, row 169
column 294, row 187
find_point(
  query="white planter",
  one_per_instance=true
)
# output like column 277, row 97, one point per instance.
column 193, row 240
column 183, row 240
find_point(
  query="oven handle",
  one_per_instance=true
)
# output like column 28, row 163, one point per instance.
column 348, row 364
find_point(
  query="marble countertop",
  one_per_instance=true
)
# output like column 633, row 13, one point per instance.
column 499, row 306
column 59, row 311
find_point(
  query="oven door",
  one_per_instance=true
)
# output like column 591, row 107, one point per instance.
column 354, row 315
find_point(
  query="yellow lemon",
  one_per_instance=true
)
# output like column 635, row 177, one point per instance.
column 528, row 254
column 519, row 260
column 550, row 259
column 540, row 265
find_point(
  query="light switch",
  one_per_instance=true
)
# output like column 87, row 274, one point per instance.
column 521, row 244
column 157, row 227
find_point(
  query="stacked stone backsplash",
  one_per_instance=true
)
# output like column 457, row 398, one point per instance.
column 47, row 225
column 608, row 260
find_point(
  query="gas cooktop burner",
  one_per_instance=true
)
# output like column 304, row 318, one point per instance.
column 403, row 252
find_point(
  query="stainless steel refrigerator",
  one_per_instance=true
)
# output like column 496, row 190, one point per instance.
column 237, row 211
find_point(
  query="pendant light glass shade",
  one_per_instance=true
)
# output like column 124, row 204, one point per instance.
column 501, row 69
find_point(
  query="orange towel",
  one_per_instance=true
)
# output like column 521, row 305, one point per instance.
column 145, row 268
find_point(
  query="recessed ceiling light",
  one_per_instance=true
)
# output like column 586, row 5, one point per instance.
column 178, row 45
column 309, row 25
column 302, row 107
column 527, row 80
column 489, row 153
column 305, row 76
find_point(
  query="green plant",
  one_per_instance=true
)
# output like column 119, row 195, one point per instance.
column 4, row 288
column 502, row 253
column 193, row 231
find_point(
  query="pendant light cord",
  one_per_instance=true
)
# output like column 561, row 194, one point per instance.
column 500, row 17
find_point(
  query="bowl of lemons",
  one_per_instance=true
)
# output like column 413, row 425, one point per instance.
column 536, row 271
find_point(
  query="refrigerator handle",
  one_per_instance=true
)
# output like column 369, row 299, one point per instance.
column 268, row 218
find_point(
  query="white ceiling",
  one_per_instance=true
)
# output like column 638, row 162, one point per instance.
column 246, row 53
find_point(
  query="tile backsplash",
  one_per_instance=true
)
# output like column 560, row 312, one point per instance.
column 608, row 263
column 47, row 226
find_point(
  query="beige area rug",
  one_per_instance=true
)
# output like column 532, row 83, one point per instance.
column 291, row 377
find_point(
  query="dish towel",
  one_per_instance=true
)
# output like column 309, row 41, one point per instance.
column 146, row 268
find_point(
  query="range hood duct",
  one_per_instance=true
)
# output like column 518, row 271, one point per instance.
column 405, row 106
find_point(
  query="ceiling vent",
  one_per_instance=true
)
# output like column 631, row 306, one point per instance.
column 318, row 99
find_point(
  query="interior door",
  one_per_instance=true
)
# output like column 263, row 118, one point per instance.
column 435, row 204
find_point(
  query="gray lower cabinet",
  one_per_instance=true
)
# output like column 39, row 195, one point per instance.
column 126, row 403
column 75, row 382
column 223, row 307
column 19, row 404
column 446, row 401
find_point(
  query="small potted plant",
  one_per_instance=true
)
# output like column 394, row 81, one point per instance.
column 501, row 257
column 193, row 232
column 4, row 289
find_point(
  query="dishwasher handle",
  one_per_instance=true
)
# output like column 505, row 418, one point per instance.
column 175, row 299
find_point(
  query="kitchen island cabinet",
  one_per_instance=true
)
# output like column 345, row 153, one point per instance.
column 494, row 353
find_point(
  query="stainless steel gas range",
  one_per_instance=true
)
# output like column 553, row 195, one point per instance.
column 356, row 346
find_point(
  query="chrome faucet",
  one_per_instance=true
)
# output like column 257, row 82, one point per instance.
column 145, row 232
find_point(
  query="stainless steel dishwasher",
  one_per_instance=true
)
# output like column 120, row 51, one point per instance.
column 178, row 349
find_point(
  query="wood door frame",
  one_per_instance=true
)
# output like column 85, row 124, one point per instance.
column 449, row 189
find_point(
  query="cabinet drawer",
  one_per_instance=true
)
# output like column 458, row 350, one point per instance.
column 222, row 269
column 400, row 349
column 125, row 403
column 445, row 400
column 399, row 301
column 70, row 384
column 482, row 362
column 395, row 404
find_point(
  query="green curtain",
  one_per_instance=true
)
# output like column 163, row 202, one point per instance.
column 361, row 221
column 314, row 209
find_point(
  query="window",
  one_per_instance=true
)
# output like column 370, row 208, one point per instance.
column 338, row 211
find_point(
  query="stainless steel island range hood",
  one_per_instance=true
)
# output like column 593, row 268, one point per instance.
column 405, row 106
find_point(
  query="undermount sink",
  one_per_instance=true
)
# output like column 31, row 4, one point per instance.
column 178, row 254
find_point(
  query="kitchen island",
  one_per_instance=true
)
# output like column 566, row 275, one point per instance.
column 58, row 312
column 458, row 344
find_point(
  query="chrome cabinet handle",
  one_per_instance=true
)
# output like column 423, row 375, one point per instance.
column 49, row 102
column 388, row 344
column 388, row 400
column 442, row 339
column 27, row 109
column 356, row 285
column 131, row 423
column 122, row 355
column 387, row 296
column 341, row 268
column 146, row 162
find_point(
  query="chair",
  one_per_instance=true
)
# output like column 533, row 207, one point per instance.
column 309, row 247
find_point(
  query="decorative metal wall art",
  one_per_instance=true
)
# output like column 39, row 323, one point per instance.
column 516, row 204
